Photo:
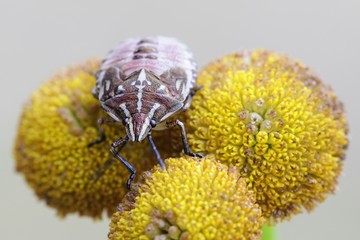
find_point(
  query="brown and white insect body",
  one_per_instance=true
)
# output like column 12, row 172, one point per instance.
column 141, row 83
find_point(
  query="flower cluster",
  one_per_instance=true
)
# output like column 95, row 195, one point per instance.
column 274, row 137
column 192, row 199
column 275, row 120
column 51, row 148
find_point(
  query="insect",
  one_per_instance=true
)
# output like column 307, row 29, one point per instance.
column 141, row 83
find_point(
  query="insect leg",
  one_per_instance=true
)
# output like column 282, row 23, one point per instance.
column 102, row 136
column 156, row 152
column 184, row 139
column 96, row 176
column 120, row 143
column 190, row 97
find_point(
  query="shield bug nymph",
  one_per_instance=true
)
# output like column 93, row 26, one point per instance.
column 141, row 83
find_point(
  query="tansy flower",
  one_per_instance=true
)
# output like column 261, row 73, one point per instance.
column 56, row 125
column 275, row 120
column 192, row 199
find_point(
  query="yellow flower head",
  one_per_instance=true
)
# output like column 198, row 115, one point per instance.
column 57, row 124
column 275, row 120
column 191, row 199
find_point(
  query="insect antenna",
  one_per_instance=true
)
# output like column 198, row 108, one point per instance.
column 156, row 152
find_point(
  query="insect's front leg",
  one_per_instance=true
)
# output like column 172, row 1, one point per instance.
column 184, row 139
column 102, row 136
column 119, row 144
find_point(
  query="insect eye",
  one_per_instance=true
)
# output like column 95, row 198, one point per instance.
column 152, row 123
column 125, row 121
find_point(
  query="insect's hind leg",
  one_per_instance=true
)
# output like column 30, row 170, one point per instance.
column 190, row 97
column 184, row 139
column 120, row 143
column 102, row 135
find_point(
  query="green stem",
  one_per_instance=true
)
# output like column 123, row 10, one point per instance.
column 269, row 233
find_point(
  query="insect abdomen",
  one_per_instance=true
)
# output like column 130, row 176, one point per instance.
column 157, row 54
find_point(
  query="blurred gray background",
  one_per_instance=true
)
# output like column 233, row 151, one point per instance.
column 38, row 37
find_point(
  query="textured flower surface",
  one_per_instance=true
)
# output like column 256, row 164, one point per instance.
column 192, row 199
column 57, row 124
column 274, row 119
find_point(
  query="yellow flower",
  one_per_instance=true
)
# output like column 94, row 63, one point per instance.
column 191, row 199
column 56, row 125
column 275, row 120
